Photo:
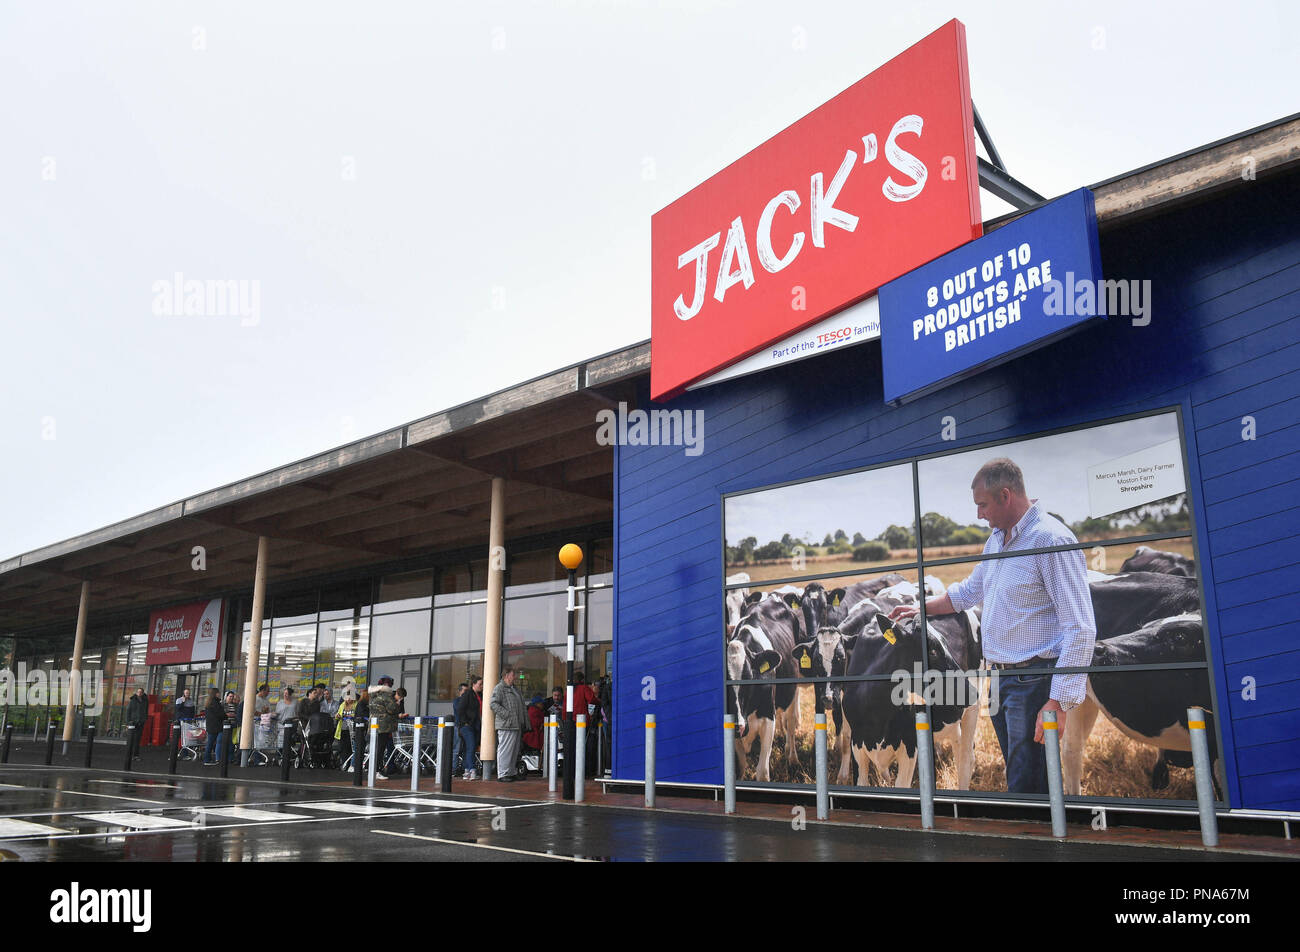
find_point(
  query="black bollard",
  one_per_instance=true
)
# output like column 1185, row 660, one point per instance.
column 445, row 762
column 357, row 750
column 130, row 746
column 49, row 742
column 223, row 747
column 8, row 742
column 90, row 742
column 570, row 729
column 174, row 742
column 286, row 752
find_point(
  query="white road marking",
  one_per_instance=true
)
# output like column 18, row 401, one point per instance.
column 247, row 813
column 426, row 802
column 84, row 793
column 140, row 783
column 135, row 821
column 23, row 828
column 483, row 846
column 362, row 809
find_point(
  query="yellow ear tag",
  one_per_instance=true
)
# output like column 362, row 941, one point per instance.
column 795, row 603
column 763, row 669
column 889, row 636
column 836, row 601
column 805, row 662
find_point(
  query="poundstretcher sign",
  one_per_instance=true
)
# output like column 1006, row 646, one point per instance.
column 186, row 633
column 877, row 181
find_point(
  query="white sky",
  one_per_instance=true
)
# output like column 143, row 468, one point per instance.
column 507, row 160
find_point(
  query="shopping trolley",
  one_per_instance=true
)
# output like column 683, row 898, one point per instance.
column 194, row 736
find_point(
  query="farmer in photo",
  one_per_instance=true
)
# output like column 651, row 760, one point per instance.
column 1037, row 614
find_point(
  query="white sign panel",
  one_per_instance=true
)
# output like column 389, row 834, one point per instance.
column 1136, row 479
column 853, row 325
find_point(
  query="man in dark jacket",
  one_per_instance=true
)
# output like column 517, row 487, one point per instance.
column 137, row 712
column 215, row 714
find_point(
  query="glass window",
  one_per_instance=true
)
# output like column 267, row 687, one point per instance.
column 293, row 653
column 600, row 562
column 345, row 600
column 448, row 671
column 543, row 620
column 532, row 573
column 406, row 633
column 293, row 609
column 405, row 592
column 836, row 524
column 600, row 615
column 462, row 582
column 459, row 628
column 599, row 662
column 540, row 669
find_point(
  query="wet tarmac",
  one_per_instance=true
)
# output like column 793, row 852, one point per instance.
column 62, row 814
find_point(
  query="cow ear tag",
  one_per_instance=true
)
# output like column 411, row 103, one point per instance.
column 763, row 668
column 795, row 603
column 805, row 661
column 836, row 601
column 888, row 632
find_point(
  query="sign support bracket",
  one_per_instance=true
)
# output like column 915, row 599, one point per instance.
column 994, row 175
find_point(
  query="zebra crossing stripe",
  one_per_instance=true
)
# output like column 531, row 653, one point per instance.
column 134, row 821
column 10, row 827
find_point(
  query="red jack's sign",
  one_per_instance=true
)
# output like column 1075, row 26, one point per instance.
column 879, row 180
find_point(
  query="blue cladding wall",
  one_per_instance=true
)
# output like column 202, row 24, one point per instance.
column 1223, row 343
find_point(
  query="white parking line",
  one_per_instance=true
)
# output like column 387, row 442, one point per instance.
column 248, row 813
column 483, row 846
column 135, row 821
column 427, row 802
column 361, row 809
column 23, row 828
column 140, row 783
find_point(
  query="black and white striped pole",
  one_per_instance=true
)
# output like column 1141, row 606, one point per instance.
column 580, row 760
column 415, row 752
column 1204, row 782
column 925, row 760
column 729, row 763
column 373, row 745
column 1055, row 788
column 819, row 746
column 649, row 760
column 570, row 558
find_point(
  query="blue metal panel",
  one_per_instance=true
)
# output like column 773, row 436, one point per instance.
column 1223, row 343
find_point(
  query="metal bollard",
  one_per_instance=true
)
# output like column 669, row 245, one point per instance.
column 438, row 760
column 649, row 760
column 415, row 755
column 580, row 761
column 546, row 747
column 729, row 763
column 358, row 752
column 223, row 747
column 819, row 736
column 49, row 742
column 130, row 746
column 1204, row 780
column 925, row 760
column 8, row 742
column 372, row 743
column 174, row 742
column 553, row 732
column 447, row 736
column 90, row 742
column 286, row 752
column 1055, row 789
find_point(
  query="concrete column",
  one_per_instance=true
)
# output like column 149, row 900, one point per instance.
column 73, row 695
column 254, row 649
column 492, row 637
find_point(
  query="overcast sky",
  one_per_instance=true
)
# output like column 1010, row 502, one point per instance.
column 433, row 201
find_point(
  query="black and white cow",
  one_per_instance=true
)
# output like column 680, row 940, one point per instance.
column 825, row 655
column 760, row 648
column 1150, row 706
column 882, row 730
column 736, row 600
column 1124, row 603
column 1147, row 559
